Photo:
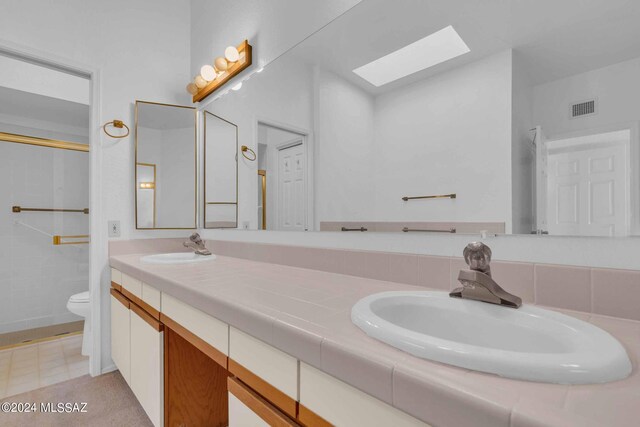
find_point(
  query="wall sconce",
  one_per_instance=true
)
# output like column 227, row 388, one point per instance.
column 224, row 68
column 147, row 185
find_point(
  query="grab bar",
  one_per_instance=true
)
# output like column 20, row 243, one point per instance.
column 353, row 229
column 451, row 230
column 18, row 209
column 440, row 196
column 60, row 240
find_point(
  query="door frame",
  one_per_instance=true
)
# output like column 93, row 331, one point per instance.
column 294, row 142
column 308, row 143
column 98, row 261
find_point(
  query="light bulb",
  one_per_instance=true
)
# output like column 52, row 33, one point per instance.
column 208, row 73
column 200, row 82
column 232, row 54
column 221, row 64
column 237, row 87
column 192, row 89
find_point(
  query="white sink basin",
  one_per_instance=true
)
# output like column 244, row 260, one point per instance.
column 176, row 258
column 528, row 343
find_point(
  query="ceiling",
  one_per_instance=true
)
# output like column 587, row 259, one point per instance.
column 554, row 38
column 39, row 107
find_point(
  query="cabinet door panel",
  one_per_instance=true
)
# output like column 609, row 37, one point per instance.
column 196, row 385
column 147, row 368
column 120, row 338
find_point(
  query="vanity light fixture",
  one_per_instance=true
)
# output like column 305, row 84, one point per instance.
column 147, row 185
column 200, row 82
column 224, row 68
column 434, row 49
column 231, row 54
column 208, row 72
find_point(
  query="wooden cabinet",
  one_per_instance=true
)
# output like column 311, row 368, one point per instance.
column 121, row 334
column 195, row 385
column 147, row 364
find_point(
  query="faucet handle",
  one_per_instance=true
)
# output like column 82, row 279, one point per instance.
column 195, row 238
column 477, row 255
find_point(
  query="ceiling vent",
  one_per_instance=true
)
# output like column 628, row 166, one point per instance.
column 584, row 108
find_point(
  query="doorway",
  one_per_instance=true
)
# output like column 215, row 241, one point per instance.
column 585, row 184
column 283, row 178
column 46, row 113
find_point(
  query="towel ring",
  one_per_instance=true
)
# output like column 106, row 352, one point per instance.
column 244, row 149
column 116, row 124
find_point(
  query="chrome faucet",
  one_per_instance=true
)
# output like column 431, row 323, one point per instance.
column 477, row 283
column 196, row 243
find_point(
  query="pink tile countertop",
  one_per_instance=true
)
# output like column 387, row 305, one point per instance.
column 306, row 313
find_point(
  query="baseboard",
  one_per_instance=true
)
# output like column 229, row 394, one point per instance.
column 108, row 369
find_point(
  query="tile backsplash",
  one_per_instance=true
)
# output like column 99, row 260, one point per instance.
column 611, row 292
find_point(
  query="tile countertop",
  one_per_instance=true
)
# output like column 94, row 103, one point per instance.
column 306, row 313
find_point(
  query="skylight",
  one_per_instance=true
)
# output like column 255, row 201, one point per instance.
column 419, row 55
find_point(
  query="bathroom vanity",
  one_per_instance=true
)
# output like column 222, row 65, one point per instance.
column 237, row 342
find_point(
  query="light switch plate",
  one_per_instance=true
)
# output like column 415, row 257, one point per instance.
column 114, row 228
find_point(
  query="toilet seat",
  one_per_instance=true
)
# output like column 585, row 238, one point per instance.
column 80, row 298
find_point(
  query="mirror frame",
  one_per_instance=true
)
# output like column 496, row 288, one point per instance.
column 195, row 163
column 204, row 173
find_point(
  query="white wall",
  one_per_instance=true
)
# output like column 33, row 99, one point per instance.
column 615, row 87
column 142, row 51
column 344, row 161
column 43, row 129
column 36, row 277
column 447, row 134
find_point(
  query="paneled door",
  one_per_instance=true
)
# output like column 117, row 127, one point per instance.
column 292, row 200
column 588, row 187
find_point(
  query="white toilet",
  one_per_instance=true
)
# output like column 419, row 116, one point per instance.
column 79, row 304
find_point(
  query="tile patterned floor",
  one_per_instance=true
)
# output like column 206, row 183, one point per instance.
column 38, row 365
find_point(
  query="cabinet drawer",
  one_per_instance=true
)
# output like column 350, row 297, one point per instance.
column 343, row 405
column 133, row 286
column 275, row 367
column 209, row 329
column 151, row 296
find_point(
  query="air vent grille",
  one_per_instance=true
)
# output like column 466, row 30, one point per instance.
column 583, row 108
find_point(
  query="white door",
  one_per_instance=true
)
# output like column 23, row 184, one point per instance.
column 292, row 201
column 587, row 190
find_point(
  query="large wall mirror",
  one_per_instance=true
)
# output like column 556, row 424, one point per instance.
column 165, row 172
column 424, row 116
column 221, row 172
